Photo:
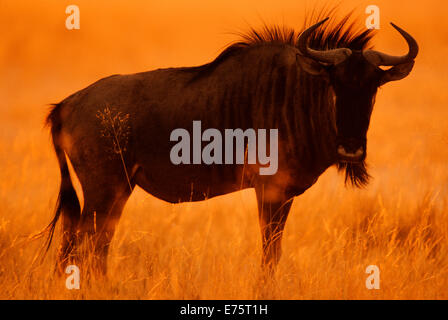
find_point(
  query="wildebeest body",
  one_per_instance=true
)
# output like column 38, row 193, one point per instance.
column 116, row 132
column 160, row 101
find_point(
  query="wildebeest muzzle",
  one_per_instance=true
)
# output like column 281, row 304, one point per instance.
column 351, row 149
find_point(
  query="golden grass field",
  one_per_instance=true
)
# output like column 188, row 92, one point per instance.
column 212, row 249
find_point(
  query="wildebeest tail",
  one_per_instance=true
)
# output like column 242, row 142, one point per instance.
column 67, row 202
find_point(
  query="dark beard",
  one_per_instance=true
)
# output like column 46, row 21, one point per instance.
column 355, row 173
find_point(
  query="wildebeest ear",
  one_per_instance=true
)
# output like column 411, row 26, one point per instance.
column 311, row 66
column 398, row 72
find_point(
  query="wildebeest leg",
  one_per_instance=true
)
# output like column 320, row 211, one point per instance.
column 70, row 221
column 100, row 215
column 273, row 209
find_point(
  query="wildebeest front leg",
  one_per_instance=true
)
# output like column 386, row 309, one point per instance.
column 273, row 209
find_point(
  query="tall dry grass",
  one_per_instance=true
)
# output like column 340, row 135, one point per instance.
column 212, row 249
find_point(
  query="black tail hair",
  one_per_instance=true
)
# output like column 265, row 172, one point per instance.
column 67, row 202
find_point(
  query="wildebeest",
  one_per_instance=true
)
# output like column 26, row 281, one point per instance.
column 318, row 90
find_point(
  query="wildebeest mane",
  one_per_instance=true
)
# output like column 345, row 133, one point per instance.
column 340, row 34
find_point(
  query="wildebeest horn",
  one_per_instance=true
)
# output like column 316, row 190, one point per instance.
column 382, row 59
column 333, row 56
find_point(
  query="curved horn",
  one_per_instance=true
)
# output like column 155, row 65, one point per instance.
column 333, row 56
column 382, row 59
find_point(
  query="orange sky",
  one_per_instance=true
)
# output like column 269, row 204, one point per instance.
column 43, row 62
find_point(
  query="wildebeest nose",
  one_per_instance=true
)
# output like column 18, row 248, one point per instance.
column 356, row 153
column 351, row 145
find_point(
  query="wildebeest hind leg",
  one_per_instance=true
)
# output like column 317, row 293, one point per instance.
column 101, row 213
column 66, row 251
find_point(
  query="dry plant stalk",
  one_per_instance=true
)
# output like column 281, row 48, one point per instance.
column 115, row 128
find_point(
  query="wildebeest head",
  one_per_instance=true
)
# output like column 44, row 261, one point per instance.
column 354, row 77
